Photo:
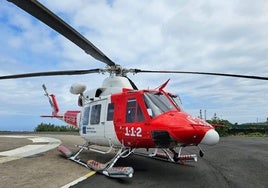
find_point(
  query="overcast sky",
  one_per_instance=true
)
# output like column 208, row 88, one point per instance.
column 212, row 36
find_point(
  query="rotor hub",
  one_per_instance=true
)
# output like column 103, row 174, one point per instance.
column 117, row 70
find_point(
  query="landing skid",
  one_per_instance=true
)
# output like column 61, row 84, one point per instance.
column 108, row 168
column 169, row 155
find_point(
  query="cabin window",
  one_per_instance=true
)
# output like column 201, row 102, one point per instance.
column 133, row 113
column 110, row 112
column 85, row 115
column 95, row 114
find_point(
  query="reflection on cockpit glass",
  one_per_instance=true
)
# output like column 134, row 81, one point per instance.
column 176, row 99
column 157, row 103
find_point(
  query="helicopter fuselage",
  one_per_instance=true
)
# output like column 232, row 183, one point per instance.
column 116, row 115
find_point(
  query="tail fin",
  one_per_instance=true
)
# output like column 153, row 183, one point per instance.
column 52, row 100
column 72, row 117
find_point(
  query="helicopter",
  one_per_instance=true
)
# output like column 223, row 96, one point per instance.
column 117, row 114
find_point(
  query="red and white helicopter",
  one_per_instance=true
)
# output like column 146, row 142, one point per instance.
column 119, row 115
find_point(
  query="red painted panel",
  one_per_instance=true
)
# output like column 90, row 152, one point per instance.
column 71, row 116
column 183, row 128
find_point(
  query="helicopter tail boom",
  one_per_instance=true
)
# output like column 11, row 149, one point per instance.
column 71, row 116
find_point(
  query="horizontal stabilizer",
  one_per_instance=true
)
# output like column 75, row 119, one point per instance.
column 49, row 116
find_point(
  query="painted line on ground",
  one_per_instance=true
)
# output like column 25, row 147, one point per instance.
column 28, row 150
column 79, row 179
column 7, row 159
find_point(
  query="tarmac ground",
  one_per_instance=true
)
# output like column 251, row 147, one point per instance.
column 234, row 162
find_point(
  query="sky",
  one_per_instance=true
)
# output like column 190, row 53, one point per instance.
column 211, row 36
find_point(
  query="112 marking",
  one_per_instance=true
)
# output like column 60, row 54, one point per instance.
column 133, row 131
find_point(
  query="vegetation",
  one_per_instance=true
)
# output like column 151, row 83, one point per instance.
column 44, row 127
column 222, row 126
column 248, row 129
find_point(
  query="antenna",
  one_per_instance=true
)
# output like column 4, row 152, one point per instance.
column 46, row 94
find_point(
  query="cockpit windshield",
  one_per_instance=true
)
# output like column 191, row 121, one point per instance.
column 157, row 103
column 176, row 99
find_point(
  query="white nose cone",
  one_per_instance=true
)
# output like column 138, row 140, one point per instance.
column 211, row 138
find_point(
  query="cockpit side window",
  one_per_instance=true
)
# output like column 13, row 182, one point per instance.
column 133, row 112
column 140, row 117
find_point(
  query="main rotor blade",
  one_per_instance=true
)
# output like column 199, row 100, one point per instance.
column 52, row 73
column 204, row 73
column 42, row 13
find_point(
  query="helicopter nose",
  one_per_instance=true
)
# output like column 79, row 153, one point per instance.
column 211, row 137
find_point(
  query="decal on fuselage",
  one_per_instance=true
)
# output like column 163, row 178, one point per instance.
column 133, row 131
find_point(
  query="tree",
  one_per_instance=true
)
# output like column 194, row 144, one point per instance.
column 44, row 127
column 222, row 130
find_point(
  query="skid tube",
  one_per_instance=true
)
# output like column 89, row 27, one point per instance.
column 169, row 155
column 108, row 168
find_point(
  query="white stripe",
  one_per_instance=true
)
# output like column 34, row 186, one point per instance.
column 79, row 180
column 16, row 136
column 7, row 159
column 29, row 150
column 38, row 139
